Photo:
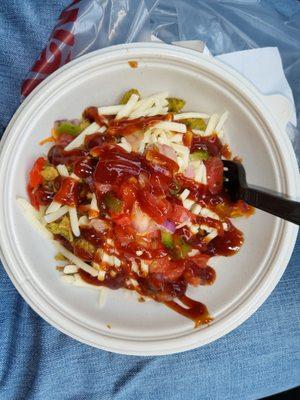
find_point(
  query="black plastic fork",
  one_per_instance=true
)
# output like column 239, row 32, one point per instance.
column 236, row 184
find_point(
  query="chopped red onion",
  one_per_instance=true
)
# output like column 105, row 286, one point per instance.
column 169, row 226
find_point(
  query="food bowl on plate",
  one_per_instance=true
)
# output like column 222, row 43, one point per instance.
column 254, row 133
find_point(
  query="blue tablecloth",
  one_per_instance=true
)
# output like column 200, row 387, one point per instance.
column 259, row 358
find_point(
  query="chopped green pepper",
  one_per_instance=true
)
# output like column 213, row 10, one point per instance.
column 195, row 123
column 113, row 203
column 180, row 247
column 127, row 95
column 61, row 227
column 200, row 155
column 175, row 104
column 167, row 239
column 60, row 257
column 49, row 172
column 69, row 128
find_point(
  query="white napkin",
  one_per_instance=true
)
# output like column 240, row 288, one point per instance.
column 263, row 67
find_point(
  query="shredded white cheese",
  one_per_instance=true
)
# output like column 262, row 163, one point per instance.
column 188, row 203
column 211, row 235
column 212, row 123
column 117, row 261
column 185, row 194
column 101, row 275
column 171, row 126
column 53, row 207
column 194, row 228
column 186, row 115
column 62, row 170
column 198, row 132
column 70, row 269
column 75, row 260
column 74, row 221
column 144, row 267
column 79, row 140
column 110, row 110
column 196, row 209
column 206, row 212
column 193, row 252
column 75, row 177
column 83, row 220
column 56, row 215
column 134, row 267
column 221, row 122
column 94, row 204
column 106, row 258
column 125, row 145
column 129, row 106
column 200, row 172
column 143, row 106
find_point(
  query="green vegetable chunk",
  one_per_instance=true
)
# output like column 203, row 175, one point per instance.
column 127, row 95
column 60, row 257
column 49, row 173
column 180, row 247
column 62, row 227
column 195, row 123
column 113, row 203
column 69, row 128
column 167, row 239
column 199, row 155
column 175, row 104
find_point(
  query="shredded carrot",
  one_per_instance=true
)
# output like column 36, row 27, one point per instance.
column 54, row 133
column 47, row 140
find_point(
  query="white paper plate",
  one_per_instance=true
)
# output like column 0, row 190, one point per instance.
column 243, row 281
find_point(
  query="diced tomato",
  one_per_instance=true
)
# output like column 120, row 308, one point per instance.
column 180, row 214
column 122, row 219
column 157, row 209
column 160, row 184
column 171, row 270
column 68, row 192
column 214, row 168
column 35, row 177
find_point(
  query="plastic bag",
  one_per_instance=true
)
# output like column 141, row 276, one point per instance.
column 87, row 25
column 224, row 25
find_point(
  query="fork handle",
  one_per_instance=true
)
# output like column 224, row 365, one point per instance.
column 273, row 204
